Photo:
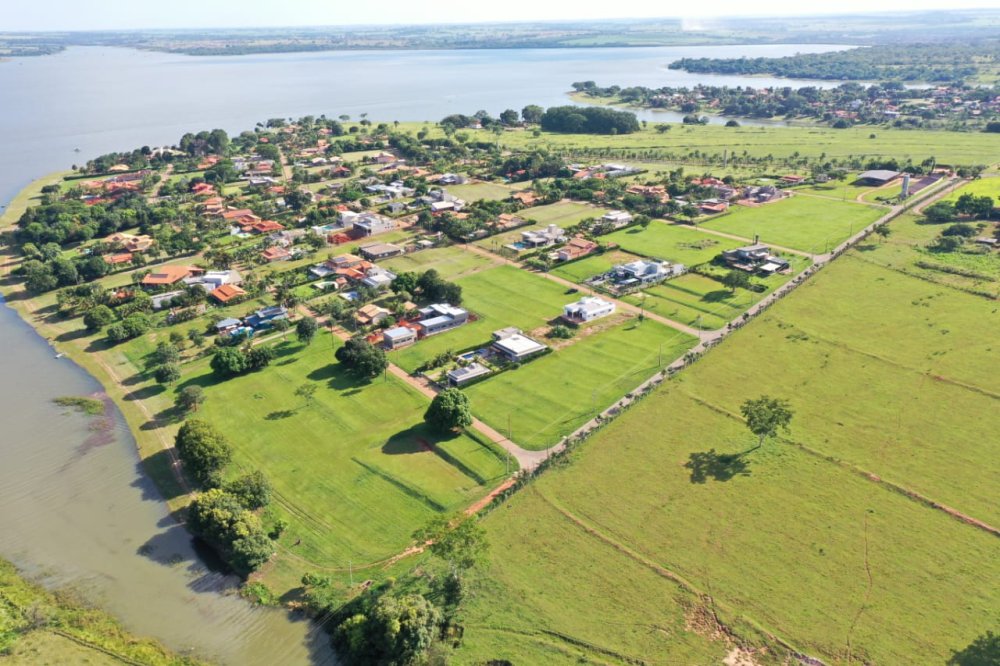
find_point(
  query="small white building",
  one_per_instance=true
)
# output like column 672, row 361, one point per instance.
column 587, row 309
column 513, row 345
column 463, row 375
column 617, row 218
column 550, row 235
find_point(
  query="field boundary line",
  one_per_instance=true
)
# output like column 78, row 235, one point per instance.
column 870, row 476
column 674, row 577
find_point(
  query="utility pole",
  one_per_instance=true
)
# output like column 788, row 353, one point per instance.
column 350, row 568
column 659, row 357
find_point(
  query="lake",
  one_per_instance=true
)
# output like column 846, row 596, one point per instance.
column 77, row 508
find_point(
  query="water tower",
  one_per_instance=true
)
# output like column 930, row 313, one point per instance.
column 906, row 186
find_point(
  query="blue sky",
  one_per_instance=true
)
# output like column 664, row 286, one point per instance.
column 134, row 14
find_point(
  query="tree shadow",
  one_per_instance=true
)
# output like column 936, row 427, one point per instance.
column 158, row 465
column 146, row 392
column 416, row 439
column 717, row 466
column 984, row 651
column 717, row 296
column 280, row 414
column 70, row 336
column 866, row 247
column 338, row 378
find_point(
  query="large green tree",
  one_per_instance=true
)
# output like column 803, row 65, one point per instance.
column 449, row 410
column 765, row 416
column 361, row 358
column 203, row 450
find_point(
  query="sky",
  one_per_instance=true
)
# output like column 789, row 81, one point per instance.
column 29, row 15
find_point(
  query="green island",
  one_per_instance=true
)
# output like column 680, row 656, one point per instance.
column 42, row 627
column 505, row 389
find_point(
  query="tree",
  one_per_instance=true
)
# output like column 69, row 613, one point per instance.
column 883, row 231
column 168, row 373
column 190, row 398
column 405, row 282
column 509, row 118
column 305, row 329
column 449, row 410
column 532, row 114
column 253, row 490
column 361, row 358
column 203, row 450
column 307, row 391
column 229, row 361
column 460, row 541
column 221, row 519
column 765, row 416
column 166, row 353
column 98, row 317
column 396, row 630
column 940, row 213
column 736, row 279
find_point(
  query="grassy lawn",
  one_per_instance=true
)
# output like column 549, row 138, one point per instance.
column 354, row 472
column 586, row 268
column 555, row 394
column 791, row 538
column 450, row 262
column 480, row 191
column 845, row 190
column 672, row 242
column 501, row 296
column 29, row 196
column 809, row 224
column 704, row 303
column 562, row 214
column 981, row 187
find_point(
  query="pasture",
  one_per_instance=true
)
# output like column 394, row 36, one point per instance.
column 551, row 396
column 479, row 191
column 673, row 242
column 562, row 214
column 810, row 538
column 354, row 470
column 450, row 262
column 809, row 224
column 499, row 297
column 702, row 302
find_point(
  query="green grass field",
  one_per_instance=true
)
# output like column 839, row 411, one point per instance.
column 450, row 262
column 354, row 471
column 480, row 191
column 804, row 538
column 562, row 214
column 672, row 242
column 704, row 303
column 501, row 296
column 586, row 268
column 552, row 396
column 802, row 223
column 845, row 190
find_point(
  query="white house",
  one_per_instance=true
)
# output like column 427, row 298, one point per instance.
column 514, row 345
column 550, row 235
column 617, row 218
column 586, row 309
column 371, row 224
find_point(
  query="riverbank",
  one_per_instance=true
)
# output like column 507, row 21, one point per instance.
column 38, row 626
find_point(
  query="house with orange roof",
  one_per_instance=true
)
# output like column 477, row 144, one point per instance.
column 371, row 314
column 577, row 247
column 118, row 259
column 525, row 198
column 275, row 253
column 162, row 276
column 226, row 293
column 130, row 242
column 262, row 227
column 237, row 214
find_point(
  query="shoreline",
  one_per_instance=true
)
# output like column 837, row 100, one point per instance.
column 16, row 298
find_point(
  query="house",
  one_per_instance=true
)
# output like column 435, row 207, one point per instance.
column 226, row 293
column 526, row 198
column 370, row 224
column 654, row 192
column 550, row 235
column 507, row 221
column 395, row 208
column 227, row 325
column 754, row 258
column 261, row 226
column 465, row 374
column 166, row 275
column 617, row 218
column 792, row 179
column 440, row 317
column 761, row 194
column 641, row 272
column 514, row 346
column 119, row 258
column 576, row 247
column 398, row 337
column 275, row 253
column 130, row 242
column 377, row 251
column 378, row 278
column 371, row 314
column 160, row 301
column 265, row 317
column 587, row 309
column 713, row 206
column 451, row 179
